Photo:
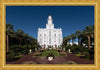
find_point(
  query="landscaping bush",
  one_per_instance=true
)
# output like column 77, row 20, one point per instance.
column 41, row 50
column 50, row 55
column 68, row 47
column 10, row 57
column 18, row 56
column 86, row 55
column 78, row 54
column 17, row 53
column 14, row 48
column 91, row 52
column 59, row 50
column 18, row 50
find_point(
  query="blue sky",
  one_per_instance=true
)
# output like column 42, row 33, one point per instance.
column 69, row 18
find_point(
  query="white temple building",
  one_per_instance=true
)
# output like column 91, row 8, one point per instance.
column 50, row 36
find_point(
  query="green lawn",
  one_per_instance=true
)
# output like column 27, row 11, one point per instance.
column 48, row 52
column 53, row 51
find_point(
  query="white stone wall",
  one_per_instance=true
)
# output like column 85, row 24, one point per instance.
column 50, row 36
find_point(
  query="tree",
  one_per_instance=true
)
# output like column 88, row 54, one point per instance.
column 88, row 32
column 65, row 41
column 73, row 37
column 9, row 31
column 25, row 35
column 69, row 38
column 78, row 35
column 20, row 34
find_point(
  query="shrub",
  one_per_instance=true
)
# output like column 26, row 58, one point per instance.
column 50, row 55
column 18, row 56
column 24, row 47
column 17, row 53
column 10, row 57
column 78, row 54
column 14, row 48
column 91, row 52
column 74, row 44
column 17, row 50
column 59, row 50
column 86, row 55
column 68, row 47
column 41, row 50
column 23, row 51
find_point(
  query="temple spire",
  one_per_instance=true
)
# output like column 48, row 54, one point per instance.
column 49, row 19
column 49, row 24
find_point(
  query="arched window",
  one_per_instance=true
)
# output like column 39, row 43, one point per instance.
column 49, row 41
column 49, row 33
column 59, row 40
column 59, row 35
column 55, row 34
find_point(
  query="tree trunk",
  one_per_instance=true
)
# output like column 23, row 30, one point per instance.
column 89, row 42
column 7, row 43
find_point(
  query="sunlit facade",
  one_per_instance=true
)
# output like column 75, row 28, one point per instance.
column 50, row 36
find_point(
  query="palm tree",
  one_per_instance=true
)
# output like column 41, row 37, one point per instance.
column 73, row 37
column 88, row 32
column 20, row 34
column 69, row 38
column 32, row 41
column 65, row 41
column 78, row 35
column 9, row 31
column 92, row 32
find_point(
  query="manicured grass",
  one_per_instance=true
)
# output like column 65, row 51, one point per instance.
column 19, row 56
column 78, row 54
column 53, row 51
column 48, row 52
column 70, row 52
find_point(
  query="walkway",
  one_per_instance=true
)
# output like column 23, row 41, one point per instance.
column 57, row 60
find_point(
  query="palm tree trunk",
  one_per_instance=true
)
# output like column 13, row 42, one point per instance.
column 7, row 43
column 89, row 42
